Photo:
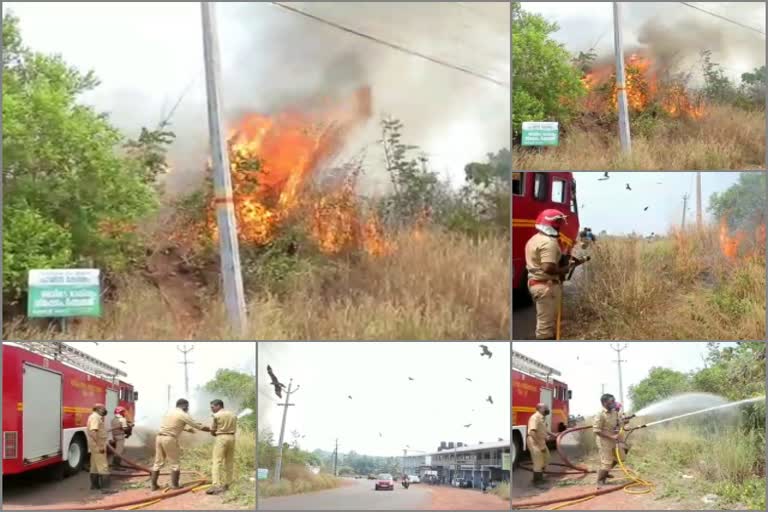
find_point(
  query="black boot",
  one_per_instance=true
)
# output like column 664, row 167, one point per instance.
column 175, row 475
column 601, row 476
column 538, row 479
column 94, row 482
column 215, row 490
column 106, row 480
column 153, row 476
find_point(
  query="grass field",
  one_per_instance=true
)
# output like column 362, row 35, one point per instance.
column 726, row 138
column 297, row 479
column 679, row 287
column 437, row 286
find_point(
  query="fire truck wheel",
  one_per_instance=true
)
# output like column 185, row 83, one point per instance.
column 76, row 455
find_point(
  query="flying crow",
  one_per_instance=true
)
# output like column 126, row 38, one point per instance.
column 486, row 352
column 605, row 178
column 628, row 187
column 279, row 386
column 645, row 209
column 411, row 378
column 489, row 399
column 467, row 378
column 467, row 425
column 349, row 396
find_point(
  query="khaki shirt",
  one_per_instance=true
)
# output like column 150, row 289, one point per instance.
column 541, row 249
column 96, row 424
column 224, row 422
column 537, row 430
column 117, row 426
column 175, row 421
column 607, row 423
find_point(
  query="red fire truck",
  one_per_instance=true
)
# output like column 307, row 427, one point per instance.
column 533, row 383
column 49, row 390
column 533, row 192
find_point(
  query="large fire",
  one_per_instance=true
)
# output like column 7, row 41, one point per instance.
column 735, row 244
column 272, row 159
column 643, row 87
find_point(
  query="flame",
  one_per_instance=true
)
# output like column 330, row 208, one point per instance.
column 273, row 157
column 643, row 88
column 733, row 245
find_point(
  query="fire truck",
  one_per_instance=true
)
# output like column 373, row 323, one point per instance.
column 533, row 192
column 533, row 383
column 49, row 390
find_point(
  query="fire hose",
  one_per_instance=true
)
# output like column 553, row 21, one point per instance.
column 573, row 499
column 144, row 501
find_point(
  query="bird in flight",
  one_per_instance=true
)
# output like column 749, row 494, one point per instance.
column 349, row 396
column 411, row 378
column 489, row 399
column 628, row 187
column 380, row 434
column 467, row 425
column 279, row 386
column 605, row 178
column 467, row 378
column 486, row 352
column 645, row 209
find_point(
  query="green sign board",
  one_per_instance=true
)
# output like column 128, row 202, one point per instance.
column 64, row 293
column 262, row 473
column 505, row 461
column 540, row 133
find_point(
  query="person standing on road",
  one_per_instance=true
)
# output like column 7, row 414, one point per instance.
column 97, row 445
column 167, row 442
column 121, row 430
column 606, row 429
column 546, row 272
column 223, row 460
column 537, row 437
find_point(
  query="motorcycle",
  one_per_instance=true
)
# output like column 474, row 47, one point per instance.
column 405, row 483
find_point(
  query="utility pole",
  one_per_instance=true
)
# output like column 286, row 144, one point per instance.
column 618, row 350
column 229, row 249
column 624, row 136
column 185, row 350
column 698, row 200
column 336, row 458
column 685, row 207
column 603, row 386
column 287, row 404
column 168, row 405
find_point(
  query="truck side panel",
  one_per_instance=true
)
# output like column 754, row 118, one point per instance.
column 42, row 413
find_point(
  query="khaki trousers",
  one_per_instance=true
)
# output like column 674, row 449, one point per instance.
column 223, row 460
column 99, row 465
column 166, row 452
column 547, row 300
column 539, row 456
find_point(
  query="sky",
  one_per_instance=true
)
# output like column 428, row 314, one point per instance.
column 152, row 366
column 420, row 413
column 667, row 26
column 148, row 54
column 608, row 205
column 587, row 366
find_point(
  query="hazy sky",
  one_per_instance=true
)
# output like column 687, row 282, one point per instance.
column 420, row 413
column 668, row 25
column 586, row 366
column 607, row 205
column 147, row 54
column 153, row 366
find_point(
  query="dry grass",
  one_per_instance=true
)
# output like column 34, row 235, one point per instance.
column 678, row 288
column 439, row 287
column 502, row 490
column 727, row 138
column 297, row 479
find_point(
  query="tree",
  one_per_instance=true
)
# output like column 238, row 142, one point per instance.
column 237, row 386
column 754, row 85
column 742, row 201
column 546, row 83
column 659, row 384
column 66, row 187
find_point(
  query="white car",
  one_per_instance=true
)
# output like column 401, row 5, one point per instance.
column 414, row 479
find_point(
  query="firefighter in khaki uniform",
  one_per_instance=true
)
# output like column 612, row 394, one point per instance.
column 543, row 259
column 537, row 437
column 606, row 428
column 121, row 430
column 223, row 459
column 97, row 445
column 167, row 442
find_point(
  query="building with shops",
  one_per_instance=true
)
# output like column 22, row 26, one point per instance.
column 454, row 461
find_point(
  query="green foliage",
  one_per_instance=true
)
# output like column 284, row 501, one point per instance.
column 742, row 201
column 546, row 83
column 150, row 151
column 753, row 85
column 717, row 86
column 62, row 170
column 659, row 384
column 237, row 386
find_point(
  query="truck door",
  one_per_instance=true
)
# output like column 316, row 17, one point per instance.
column 42, row 407
column 546, row 398
column 110, row 402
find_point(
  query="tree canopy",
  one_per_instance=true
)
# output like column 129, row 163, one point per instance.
column 741, row 201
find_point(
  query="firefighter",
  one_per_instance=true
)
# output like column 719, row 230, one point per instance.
column 121, row 430
column 537, row 437
column 606, row 429
column 546, row 271
column 167, row 442
column 97, row 445
column 223, row 460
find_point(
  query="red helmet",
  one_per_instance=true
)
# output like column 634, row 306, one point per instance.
column 120, row 410
column 550, row 221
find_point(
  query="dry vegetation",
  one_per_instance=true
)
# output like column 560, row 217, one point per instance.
column 726, row 138
column 681, row 287
column 297, row 479
column 436, row 286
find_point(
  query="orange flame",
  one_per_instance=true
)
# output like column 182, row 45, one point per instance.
column 733, row 245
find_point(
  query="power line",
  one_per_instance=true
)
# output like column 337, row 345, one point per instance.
column 729, row 20
column 394, row 46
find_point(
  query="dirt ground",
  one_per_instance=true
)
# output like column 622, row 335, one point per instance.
column 449, row 498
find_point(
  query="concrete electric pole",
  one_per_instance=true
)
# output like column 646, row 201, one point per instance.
column 618, row 350
column 336, row 459
column 185, row 350
column 698, row 201
column 685, row 208
column 229, row 250
column 287, row 404
column 621, row 91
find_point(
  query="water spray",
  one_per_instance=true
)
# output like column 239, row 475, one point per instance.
column 723, row 406
column 245, row 412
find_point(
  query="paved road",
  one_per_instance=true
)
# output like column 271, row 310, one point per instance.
column 523, row 321
column 353, row 495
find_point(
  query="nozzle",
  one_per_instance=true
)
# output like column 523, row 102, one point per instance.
column 630, row 417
